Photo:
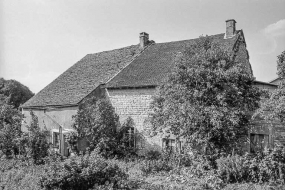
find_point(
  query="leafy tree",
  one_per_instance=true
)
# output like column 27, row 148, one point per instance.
column 207, row 100
column 273, row 106
column 8, row 114
column 10, row 127
column 96, row 120
column 36, row 139
column 16, row 92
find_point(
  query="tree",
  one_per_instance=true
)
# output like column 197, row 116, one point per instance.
column 8, row 114
column 272, row 108
column 36, row 139
column 207, row 100
column 16, row 92
column 10, row 127
column 96, row 120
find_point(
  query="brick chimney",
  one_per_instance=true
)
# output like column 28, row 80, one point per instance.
column 230, row 28
column 143, row 39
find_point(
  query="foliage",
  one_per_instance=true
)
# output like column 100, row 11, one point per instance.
column 207, row 100
column 281, row 65
column 18, row 174
column 154, row 166
column 152, row 155
column 266, row 167
column 16, row 92
column 82, row 172
column 36, row 139
column 96, row 120
column 10, row 127
column 125, row 147
column 273, row 107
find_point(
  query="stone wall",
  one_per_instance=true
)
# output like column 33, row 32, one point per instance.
column 51, row 117
column 135, row 103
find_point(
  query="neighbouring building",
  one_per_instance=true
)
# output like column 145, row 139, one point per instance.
column 128, row 77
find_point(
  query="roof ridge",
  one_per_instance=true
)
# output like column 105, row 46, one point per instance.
column 109, row 50
column 188, row 39
column 130, row 61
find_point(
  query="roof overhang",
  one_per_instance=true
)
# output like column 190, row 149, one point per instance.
column 128, row 87
column 264, row 83
column 49, row 107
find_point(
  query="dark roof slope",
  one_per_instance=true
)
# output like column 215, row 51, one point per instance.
column 83, row 77
column 153, row 65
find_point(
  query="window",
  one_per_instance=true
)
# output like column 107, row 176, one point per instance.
column 168, row 144
column 130, row 137
column 258, row 142
column 172, row 145
column 55, row 140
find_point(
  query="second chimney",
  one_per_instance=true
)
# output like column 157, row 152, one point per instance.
column 143, row 39
column 230, row 28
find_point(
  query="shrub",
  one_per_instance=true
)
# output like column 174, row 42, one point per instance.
column 154, row 166
column 83, row 172
column 36, row 140
column 19, row 174
column 263, row 167
column 232, row 168
column 152, row 155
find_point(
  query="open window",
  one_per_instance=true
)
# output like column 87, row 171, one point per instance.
column 258, row 142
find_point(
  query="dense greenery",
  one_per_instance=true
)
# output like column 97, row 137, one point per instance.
column 83, row 172
column 209, row 97
column 264, row 167
column 272, row 108
column 16, row 92
column 207, row 100
column 12, row 94
column 97, row 122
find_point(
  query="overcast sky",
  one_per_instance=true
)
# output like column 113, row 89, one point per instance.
column 40, row 39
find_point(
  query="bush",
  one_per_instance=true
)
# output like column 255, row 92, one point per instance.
column 152, row 155
column 83, row 172
column 19, row 174
column 154, row 166
column 263, row 167
column 233, row 168
column 36, row 140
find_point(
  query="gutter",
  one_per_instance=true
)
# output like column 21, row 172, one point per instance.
column 266, row 83
column 48, row 107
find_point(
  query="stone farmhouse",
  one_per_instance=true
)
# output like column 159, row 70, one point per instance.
column 128, row 77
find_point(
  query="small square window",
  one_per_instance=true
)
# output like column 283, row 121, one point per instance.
column 258, row 142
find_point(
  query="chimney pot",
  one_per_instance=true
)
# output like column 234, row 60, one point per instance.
column 144, row 39
column 230, row 28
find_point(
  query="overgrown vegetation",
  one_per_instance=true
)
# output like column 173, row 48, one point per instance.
column 207, row 100
column 97, row 122
column 15, row 92
column 272, row 107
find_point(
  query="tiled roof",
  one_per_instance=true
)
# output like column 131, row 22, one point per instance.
column 153, row 65
column 83, row 77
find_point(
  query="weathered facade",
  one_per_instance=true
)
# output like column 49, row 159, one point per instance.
column 128, row 77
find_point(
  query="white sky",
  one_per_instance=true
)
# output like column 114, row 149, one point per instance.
column 40, row 39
